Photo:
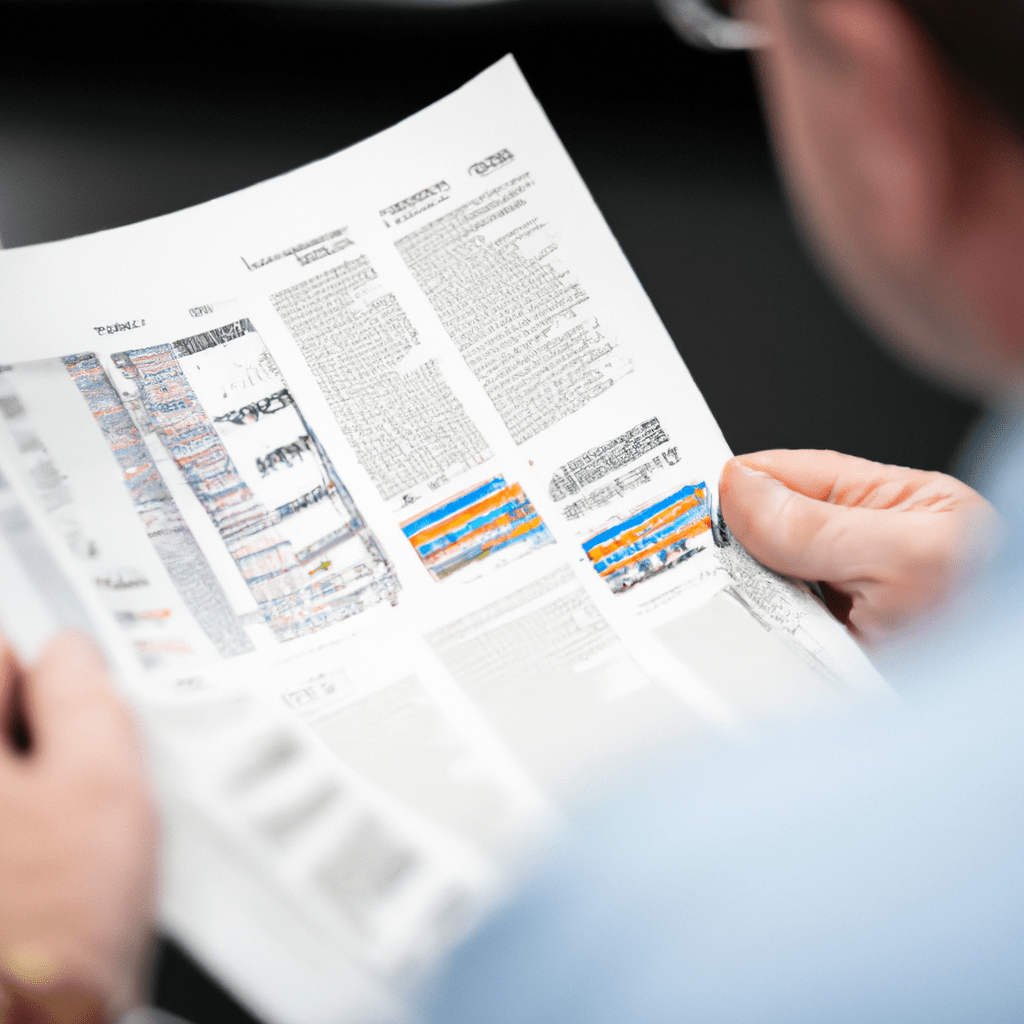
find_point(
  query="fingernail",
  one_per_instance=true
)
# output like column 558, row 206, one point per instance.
column 750, row 471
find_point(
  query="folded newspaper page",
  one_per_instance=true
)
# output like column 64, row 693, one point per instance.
column 397, row 509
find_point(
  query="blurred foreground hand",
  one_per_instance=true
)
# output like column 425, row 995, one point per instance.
column 78, row 841
column 891, row 543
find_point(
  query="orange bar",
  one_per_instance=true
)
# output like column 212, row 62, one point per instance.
column 525, row 527
column 693, row 530
column 488, row 504
column 639, row 532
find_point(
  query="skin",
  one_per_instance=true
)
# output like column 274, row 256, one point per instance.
column 910, row 189
column 895, row 543
column 79, row 866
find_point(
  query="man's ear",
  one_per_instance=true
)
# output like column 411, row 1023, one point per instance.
column 878, row 113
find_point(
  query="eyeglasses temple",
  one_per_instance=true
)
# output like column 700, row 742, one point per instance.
column 701, row 25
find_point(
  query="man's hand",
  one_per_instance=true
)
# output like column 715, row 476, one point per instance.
column 892, row 543
column 78, row 839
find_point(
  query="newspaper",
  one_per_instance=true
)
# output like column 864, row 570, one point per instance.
column 396, row 507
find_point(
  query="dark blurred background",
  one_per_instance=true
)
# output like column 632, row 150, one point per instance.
column 111, row 112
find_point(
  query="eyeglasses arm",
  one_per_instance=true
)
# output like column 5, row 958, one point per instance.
column 701, row 25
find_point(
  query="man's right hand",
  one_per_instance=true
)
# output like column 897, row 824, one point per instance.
column 892, row 543
column 78, row 840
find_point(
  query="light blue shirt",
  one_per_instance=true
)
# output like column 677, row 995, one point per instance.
column 867, row 870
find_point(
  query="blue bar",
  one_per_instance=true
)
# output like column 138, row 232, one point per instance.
column 455, row 506
column 642, row 516
column 452, row 537
column 652, row 540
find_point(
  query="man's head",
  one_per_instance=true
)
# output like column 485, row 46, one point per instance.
column 900, row 129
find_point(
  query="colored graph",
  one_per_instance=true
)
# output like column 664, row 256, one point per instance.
column 278, row 504
column 656, row 538
column 476, row 524
column 159, row 513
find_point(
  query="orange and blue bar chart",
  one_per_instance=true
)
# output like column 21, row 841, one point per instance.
column 474, row 525
column 654, row 539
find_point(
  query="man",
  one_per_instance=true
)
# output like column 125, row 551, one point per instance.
column 866, row 870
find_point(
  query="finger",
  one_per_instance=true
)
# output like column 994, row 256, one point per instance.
column 812, row 539
column 847, row 480
column 812, row 473
column 779, row 526
column 70, row 697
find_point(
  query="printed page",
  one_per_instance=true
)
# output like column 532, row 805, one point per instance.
column 402, row 509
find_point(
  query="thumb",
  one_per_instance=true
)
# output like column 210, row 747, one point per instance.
column 795, row 534
column 70, row 700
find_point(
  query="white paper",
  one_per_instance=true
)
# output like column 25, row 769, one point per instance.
column 400, row 509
